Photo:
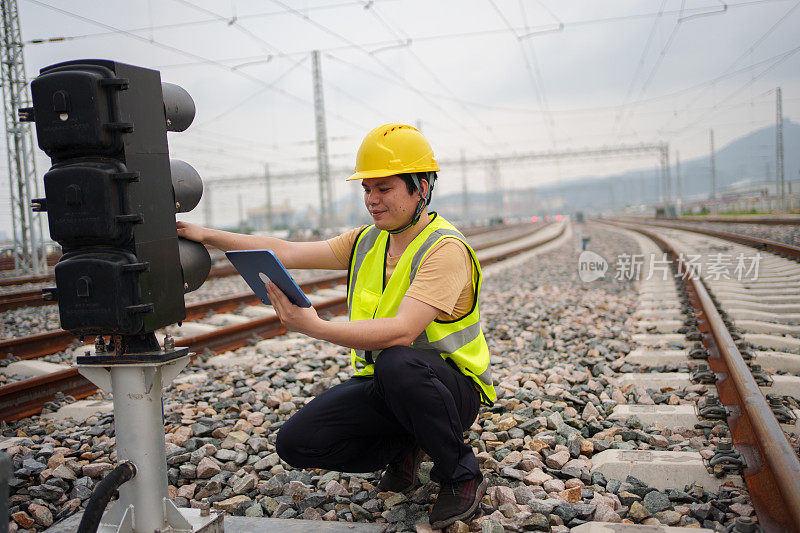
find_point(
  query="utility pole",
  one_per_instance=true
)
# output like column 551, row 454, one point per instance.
column 611, row 195
column 29, row 254
column 678, row 192
column 464, row 193
column 495, row 181
column 268, row 205
column 323, row 169
column 779, row 149
column 658, row 185
column 713, row 172
column 666, row 186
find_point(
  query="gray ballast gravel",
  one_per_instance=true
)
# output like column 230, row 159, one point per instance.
column 557, row 347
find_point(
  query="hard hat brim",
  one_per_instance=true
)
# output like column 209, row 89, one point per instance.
column 384, row 173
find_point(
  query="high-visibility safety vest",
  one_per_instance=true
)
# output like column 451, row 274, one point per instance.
column 369, row 295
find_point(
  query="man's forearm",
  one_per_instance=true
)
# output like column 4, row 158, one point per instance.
column 226, row 240
column 374, row 334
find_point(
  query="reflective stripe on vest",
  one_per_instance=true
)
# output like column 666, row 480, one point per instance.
column 461, row 341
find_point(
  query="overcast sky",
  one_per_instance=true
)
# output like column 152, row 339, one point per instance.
column 484, row 77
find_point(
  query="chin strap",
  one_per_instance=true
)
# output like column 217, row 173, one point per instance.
column 414, row 219
column 431, row 178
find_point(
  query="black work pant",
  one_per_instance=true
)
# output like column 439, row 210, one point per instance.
column 365, row 423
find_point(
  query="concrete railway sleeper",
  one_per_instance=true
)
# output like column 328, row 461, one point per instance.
column 725, row 336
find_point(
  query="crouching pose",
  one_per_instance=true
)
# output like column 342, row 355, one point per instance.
column 420, row 358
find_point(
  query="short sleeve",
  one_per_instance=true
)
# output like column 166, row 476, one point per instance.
column 342, row 245
column 444, row 280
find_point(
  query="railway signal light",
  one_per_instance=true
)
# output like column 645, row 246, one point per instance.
column 112, row 194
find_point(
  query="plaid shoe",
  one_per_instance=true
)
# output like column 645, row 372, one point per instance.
column 457, row 500
column 402, row 475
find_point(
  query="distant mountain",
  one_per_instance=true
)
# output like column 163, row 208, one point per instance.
column 748, row 158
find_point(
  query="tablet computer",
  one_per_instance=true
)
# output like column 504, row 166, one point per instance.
column 257, row 267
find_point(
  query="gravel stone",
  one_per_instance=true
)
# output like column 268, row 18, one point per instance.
column 638, row 512
column 557, row 350
column 656, row 501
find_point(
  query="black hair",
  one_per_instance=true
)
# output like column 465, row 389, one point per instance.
column 430, row 177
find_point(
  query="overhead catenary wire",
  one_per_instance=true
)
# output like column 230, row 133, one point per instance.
column 583, row 110
column 657, row 64
column 715, row 108
column 279, row 52
column 175, row 25
column 477, row 104
column 445, row 98
column 604, row 20
column 533, row 73
column 185, row 53
column 386, row 67
column 783, row 18
column 273, row 49
column 417, row 39
column 405, row 40
column 560, row 27
column 640, row 64
column 250, row 97
column 232, row 21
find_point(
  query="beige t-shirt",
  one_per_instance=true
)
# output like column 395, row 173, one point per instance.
column 443, row 281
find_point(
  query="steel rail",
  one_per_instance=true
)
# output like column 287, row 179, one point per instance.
column 33, row 297
column 21, row 280
column 17, row 299
column 27, row 397
column 745, row 219
column 35, row 346
column 222, row 339
column 775, row 247
column 7, row 263
column 228, row 270
column 772, row 473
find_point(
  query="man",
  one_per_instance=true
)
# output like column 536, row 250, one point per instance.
column 421, row 360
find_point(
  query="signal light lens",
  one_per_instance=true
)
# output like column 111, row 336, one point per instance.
column 179, row 107
column 187, row 185
column 195, row 263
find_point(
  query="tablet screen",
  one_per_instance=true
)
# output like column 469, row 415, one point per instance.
column 257, row 267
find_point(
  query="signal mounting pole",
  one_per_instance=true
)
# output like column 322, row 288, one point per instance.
column 323, row 169
column 29, row 255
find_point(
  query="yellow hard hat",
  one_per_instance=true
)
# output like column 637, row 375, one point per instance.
column 393, row 149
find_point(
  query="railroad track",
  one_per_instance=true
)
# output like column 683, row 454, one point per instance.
column 666, row 451
column 734, row 328
column 779, row 248
column 26, row 397
column 33, row 297
column 761, row 220
column 769, row 220
column 7, row 263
